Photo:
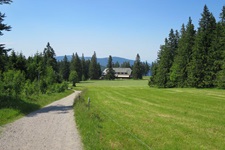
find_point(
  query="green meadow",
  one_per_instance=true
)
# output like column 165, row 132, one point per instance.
column 127, row 114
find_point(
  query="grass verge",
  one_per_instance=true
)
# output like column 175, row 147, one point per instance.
column 21, row 106
column 127, row 114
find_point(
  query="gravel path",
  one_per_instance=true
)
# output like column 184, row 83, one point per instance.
column 50, row 128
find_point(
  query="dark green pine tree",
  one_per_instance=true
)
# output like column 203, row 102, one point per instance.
column 76, row 65
column 3, row 27
column 179, row 70
column 202, row 73
column 85, row 68
column 12, row 60
column 21, row 63
column 145, row 68
column 94, row 68
column 35, row 67
column 116, row 65
column 220, row 42
column 165, row 60
column 17, row 62
column 87, row 64
column 49, row 58
column 65, row 68
column 126, row 64
column 137, row 68
column 110, row 72
column 99, row 70
column 161, row 75
column 153, row 77
column 72, row 63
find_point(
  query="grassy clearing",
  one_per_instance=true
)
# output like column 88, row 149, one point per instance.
column 127, row 114
column 20, row 107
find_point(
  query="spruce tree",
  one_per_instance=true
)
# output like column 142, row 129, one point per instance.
column 35, row 67
column 220, row 42
column 202, row 74
column 153, row 77
column 85, row 68
column 94, row 68
column 165, row 60
column 146, row 68
column 163, row 69
column 3, row 27
column 116, row 65
column 76, row 65
column 179, row 69
column 126, row 64
column 137, row 68
column 49, row 57
column 65, row 68
column 110, row 72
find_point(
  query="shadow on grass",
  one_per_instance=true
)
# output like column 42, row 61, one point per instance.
column 59, row 109
column 17, row 103
column 84, row 82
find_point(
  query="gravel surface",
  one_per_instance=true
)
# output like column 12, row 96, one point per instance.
column 50, row 128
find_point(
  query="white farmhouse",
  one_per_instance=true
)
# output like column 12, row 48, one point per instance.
column 120, row 72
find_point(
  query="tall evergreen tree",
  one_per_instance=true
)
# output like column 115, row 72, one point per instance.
column 94, row 68
column 35, row 68
column 87, row 64
column 110, row 72
column 65, row 68
column 76, row 65
column 21, row 63
column 72, row 63
column 153, row 77
column 179, row 69
column 220, row 43
column 85, row 68
column 12, row 60
column 165, row 60
column 137, row 68
column 145, row 67
column 49, row 57
column 202, row 74
column 163, row 68
column 3, row 27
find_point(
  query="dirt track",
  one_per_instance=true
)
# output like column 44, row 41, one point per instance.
column 50, row 128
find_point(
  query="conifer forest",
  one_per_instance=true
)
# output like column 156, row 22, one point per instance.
column 193, row 57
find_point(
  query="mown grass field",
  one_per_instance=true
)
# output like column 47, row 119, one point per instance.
column 127, row 114
column 12, row 109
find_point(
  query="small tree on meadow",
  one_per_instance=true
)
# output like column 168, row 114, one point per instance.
column 73, row 78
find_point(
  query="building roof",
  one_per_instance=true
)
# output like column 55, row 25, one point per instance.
column 120, row 72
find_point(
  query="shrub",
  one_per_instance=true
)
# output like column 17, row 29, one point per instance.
column 13, row 82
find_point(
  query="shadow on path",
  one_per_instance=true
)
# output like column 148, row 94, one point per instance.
column 60, row 109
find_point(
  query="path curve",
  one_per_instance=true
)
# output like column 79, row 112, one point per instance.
column 52, row 127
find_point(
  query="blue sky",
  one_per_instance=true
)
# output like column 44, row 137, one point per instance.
column 109, row 27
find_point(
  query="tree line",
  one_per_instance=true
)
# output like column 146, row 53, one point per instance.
column 42, row 73
column 91, row 69
column 193, row 58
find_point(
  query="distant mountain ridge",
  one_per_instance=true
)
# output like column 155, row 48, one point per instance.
column 101, row 61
